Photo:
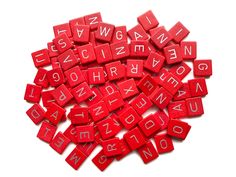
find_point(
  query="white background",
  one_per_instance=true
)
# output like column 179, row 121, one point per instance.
column 209, row 149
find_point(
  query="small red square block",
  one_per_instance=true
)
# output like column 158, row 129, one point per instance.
column 46, row 132
column 141, row 103
column 182, row 93
column 198, row 87
column 134, row 68
column 81, row 33
column 97, row 96
column 79, row 115
column 53, row 52
column 139, row 48
column 148, row 20
column 36, row 113
column 33, row 93
column 62, row 42
column 59, row 142
column 74, row 76
column 115, row 70
column 62, row 95
column 76, row 158
column 75, row 22
column 112, row 147
column 82, row 92
column 148, row 152
column 137, row 33
column 41, row 78
column 108, row 88
column 180, row 70
column 194, row 107
column 178, row 129
column 87, row 148
column 172, row 83
column 85, row 133
column 188, row 50
column 41, row 58
column 162, row 118
column 103, row 53
column 102, row 161
column 114, row 101
column 161, row 76
column 177, row 109
column 120, row 50
column 149, row 125
column 104, row 32
column 54, row 113
column 129, row 118
column 86, row 53
column 71, row 133
column 147, row 84
column 179, row 32
column 98, row 111
column 154, row 62
column 93, row 20
column 161, row 97
column 202, row 68
column 62, row 28
column 96, row 75
column 108, row 128
column 47, row 98
column 55, row 77
column 120, row 34
column 125, row 150
column 161, row 38
column 173, row 54
column 67, row 59
column 134, row 138
column 127, row 88
column 164, row 143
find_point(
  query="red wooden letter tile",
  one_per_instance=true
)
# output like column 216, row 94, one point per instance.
column 62, row 28
column 148, row 20
column 96, row 75
column 141, row 103
column 76, row 158
column 40, row 78
column 81, row 33
column 103, row 53
column 139, row 48
column 93, row 20
column 59, row 142
column 198, row 87
column 148, row 153
column 188, row 50
column 178, row 129
column 54, row 113
column 41, row 58
column 55, row 77
column 86, row 53
column 36, row 113
column 67, row 59
column 98, row 111
column 127, row 88
column 202, row 68
column 154, row 62
column 119, row 50
column 32, row 93
column 173, row 54
column 120, row 34
column 161, row 97
column 163, row 143
column 115, row 70
column 82, row 92
column 149, row 125
column 102, row 161
column 179, row 32
column 129, row 118
column 46, row 132
column 134, row 138
column 172, row 83
column 161, row 38
column 114, row 101
column 74, row 76
column 62, row 42
column 194, row 107
column 62, row 95
column 180, row 70
column 177, row 109
column 137, row 33
column 112, row 147
column 134, row 68
column 147, row 84
column 104, row 32
column 85, row 133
